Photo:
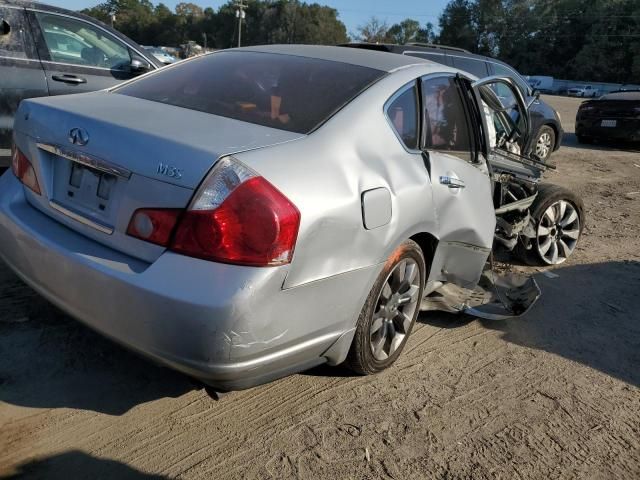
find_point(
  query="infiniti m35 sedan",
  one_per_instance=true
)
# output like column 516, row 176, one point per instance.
column 251, row 213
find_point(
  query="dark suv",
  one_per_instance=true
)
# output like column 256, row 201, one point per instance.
column 545, row 121
column 46, row 50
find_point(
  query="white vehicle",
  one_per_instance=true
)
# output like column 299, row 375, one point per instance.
column 586, row 91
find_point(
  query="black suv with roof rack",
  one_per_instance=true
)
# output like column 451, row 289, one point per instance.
column 545, row 121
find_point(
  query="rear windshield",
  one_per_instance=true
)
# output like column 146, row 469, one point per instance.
column 287, row 92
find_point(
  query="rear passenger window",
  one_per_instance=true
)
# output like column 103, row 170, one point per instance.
column 13, row 33
column 471, row 65
column 446, row 124
column 403, row 115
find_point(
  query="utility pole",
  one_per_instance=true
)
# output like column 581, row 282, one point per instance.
column 240, row 15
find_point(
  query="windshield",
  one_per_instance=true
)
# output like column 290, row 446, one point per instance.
column 287, row 92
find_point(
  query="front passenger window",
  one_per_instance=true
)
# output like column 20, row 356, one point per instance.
column 80, row 43
column 403, row 115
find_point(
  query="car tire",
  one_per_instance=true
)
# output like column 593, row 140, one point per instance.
column 558, row 220
column 545, row 143
column 583, row 139
column 385, row 322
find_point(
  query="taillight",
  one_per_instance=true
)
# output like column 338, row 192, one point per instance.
column 23, row 170
column 153, row 225
column 238, row 217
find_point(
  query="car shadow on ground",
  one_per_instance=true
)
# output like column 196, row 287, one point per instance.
column 49, row 360
column 588, row 314
column 569, row 140
column 76, row 465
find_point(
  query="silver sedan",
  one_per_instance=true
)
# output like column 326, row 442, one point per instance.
column 255, row 212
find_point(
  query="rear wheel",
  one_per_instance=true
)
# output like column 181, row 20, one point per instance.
column 558, row 217
column 391, row 309
column 583, row 139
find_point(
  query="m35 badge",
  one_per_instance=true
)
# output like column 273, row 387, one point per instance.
column 169, row 171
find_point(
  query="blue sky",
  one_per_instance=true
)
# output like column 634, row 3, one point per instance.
column 352, row 12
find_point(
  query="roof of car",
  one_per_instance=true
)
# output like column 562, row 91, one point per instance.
column 365, row 58
column 416, row 47
column 407, row 46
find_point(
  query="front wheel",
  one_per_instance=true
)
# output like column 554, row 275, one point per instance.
column 545, row 143
column 391, row 309
column 558, row 219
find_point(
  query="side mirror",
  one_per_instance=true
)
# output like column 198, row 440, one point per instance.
column 536, row 94
column 138, row 66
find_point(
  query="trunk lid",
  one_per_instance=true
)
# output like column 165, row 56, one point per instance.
column 101, row 156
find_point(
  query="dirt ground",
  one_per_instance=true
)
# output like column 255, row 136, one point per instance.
column 553, row 395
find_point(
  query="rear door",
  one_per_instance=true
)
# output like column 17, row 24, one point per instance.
column 79, row 56
column 460, row 181
column 21, row 75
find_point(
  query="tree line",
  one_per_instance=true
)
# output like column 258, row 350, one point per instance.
column 594, row 40
column 266, row 22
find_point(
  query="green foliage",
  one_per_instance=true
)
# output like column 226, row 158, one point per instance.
column 594, row 40
column 267, row 21
column 407, row 31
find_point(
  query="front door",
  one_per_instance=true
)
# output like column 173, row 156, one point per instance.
column 460, row 180
column 79, row 56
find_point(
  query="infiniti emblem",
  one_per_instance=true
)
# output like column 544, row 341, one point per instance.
column 78, row 136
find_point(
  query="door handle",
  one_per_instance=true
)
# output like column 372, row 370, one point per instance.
column 452, row 182
column 72, row 79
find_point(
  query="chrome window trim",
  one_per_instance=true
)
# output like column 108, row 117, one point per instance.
column 85, row 66
column 87, row 160
column 96, row 26
column 80, row 218
column 23, row 59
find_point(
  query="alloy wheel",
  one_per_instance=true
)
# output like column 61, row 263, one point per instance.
column 395, row 308
column 558, row 232
column 543, row 145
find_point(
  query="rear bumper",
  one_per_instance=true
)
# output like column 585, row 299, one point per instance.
column 627, row 129
column 233, row 327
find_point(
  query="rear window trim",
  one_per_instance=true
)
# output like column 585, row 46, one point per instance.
column 333, row 113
